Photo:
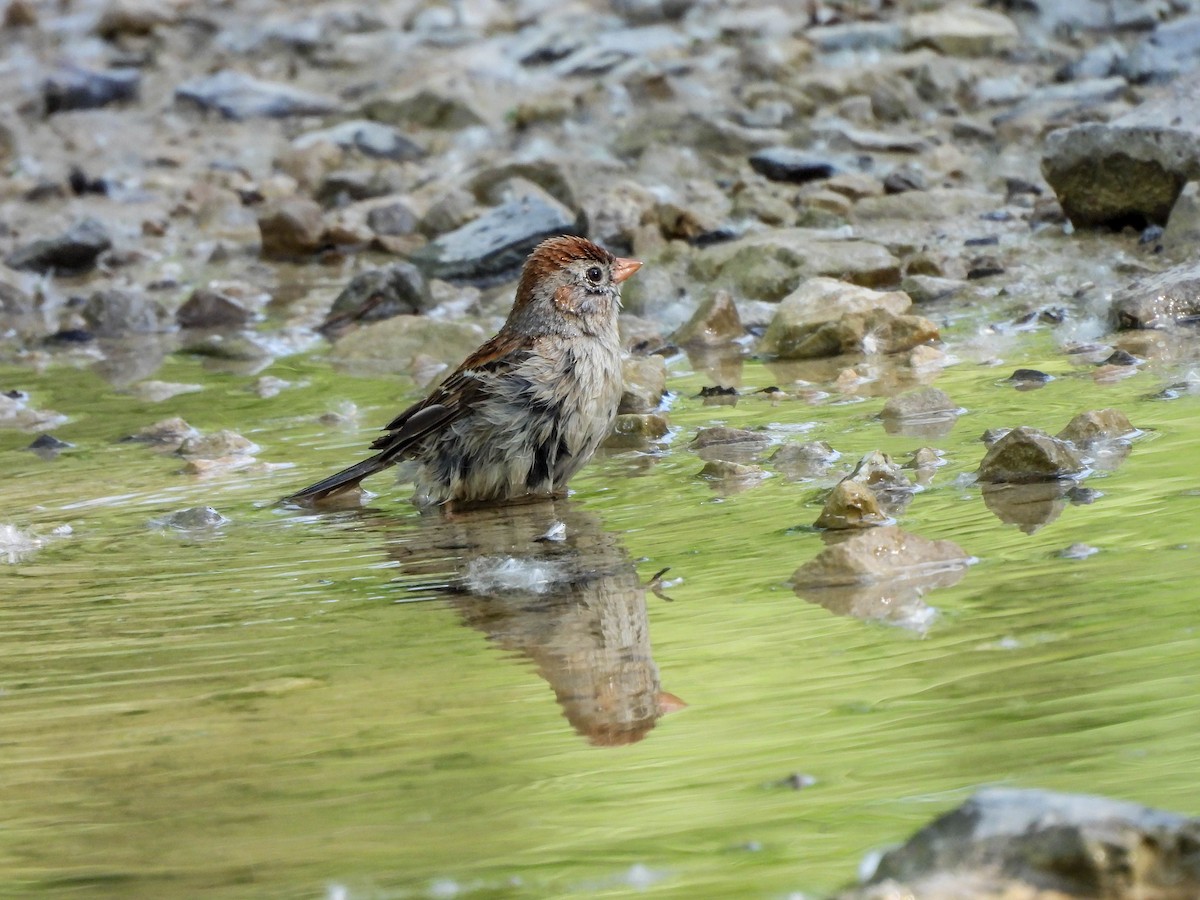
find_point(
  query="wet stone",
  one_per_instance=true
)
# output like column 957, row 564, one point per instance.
column 207, row 308
column 921, row 403
column 75, row 250
column 810, row 459
column 167, row 433
column 48, row 447
column 791, row 166
column 714, row 323
column 75, row 87
column 239, row 96
column 392, row 219
column 195, row 518
column 924, row 458
column 850, row 505
column 633, row 431
column 1029, row 377
column 495, row 245
column 398, row 343
column 645, row 380
column 398, row 289
column 116, row 312
column 720, row 435
column 1097, row 426
column 1027, row 455
column 728, row 470
column 827, row 317
column 1025, row 842
column 1169, row 298
column 216, row 445
column 1077, row 551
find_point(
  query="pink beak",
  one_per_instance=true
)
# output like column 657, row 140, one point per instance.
column 623, row 268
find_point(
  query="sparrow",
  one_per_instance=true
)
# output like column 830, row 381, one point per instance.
column 525, row 411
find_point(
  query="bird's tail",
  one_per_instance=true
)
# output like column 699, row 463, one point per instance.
column 336, row 484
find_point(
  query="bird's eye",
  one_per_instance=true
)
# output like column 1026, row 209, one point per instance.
column 594, row 274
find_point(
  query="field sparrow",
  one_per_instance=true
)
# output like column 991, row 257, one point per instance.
column 525, row 411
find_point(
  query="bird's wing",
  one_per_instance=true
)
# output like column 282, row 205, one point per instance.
column 453, row 399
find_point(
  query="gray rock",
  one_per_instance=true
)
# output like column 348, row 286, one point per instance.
column 395, row 290
column 1130, row 170
column 790, row 165
column 810, row 459
column 239, row 96
column 1158, row 301
column 75, row 87
column 166, row 433
column 115, row 312
column 929, row 288
column 921, row 412
column 721, row 442
column 1020, row 842
column 856, row 36
column 292, row 228
column 1027, row 455
column 370, row 138
column 494, row 246
column 644, row 12
column 427, row 107
column 75, row 250
column 208, row 308
column 392, row 219
column 960, row 30
column 1172, row 49
column 216, row 445
column 880, row 474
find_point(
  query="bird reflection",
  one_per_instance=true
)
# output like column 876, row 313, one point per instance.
column 545, row 580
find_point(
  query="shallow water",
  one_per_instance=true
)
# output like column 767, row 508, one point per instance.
column 376, row 703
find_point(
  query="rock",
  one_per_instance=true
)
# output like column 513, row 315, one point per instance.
column 20, row 14
column 719, row 442
column 792, row 166
column 811, row 459
column 377, row 294
column 725, row 470
column 217, row 445
column 930, row 288
column 770, row 265
column 15, row 412
column 924, row 458
column 1157, row 301
column 1097, row 426
column 1172, row 49
column 133, row 18
column 394, row 218
column 369, row 138
column 239, row 96
column 168, row 433
column 633, row 431
column 1129, row 171
column 208, row 308
column 826, row 317
column 393, row 345
column 1029, row 377
column 645, row 12
column 499, row 184
column 75, row 250
column 922, row 412
column 715, row 323
column 195, row 518
column 427, row 107
column 645, row 383
column 74, row 87
column 850, row 505
column 1024, row 842
column 1027, row 455
column 115, row 312
column 881, row 574
column 494, row 246
column 961, row 30
column 885, row 479
column 292, row 228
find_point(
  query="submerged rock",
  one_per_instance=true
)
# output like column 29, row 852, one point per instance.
column 1025, row 455
column 1022, row 842
column 811, row 459
column 195, row 518
column 633, row 431
column 239, row 96
column 1028, row 506
column 881, row 574
column 923, row 412
column 167, row 433
column 495, row 245
column 75, row 250
column 730, row 444
column 216, row 445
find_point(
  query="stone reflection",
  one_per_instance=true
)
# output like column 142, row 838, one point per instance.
column 545, row 580
column 1028, row 506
